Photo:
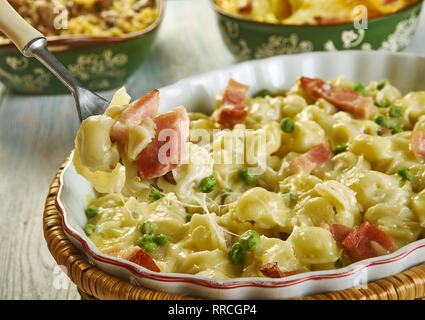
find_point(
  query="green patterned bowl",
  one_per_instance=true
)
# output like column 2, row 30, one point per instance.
column 248, row 39
column 98, row 63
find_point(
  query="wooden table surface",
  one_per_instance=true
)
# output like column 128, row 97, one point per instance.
column 37, row 134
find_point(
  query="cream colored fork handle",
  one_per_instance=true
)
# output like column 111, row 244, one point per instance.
column 15, row 27
column 33, row 44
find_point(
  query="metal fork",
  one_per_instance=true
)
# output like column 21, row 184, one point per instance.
column 33, row 44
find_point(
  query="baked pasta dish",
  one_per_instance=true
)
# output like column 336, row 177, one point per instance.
column 96, row 18
column 311, row 12
column 316, row 177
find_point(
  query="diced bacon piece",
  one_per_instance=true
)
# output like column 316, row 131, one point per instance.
column 358, row 242
column 235, row 93
column 332, row 20
column 232, row 111
column 313, row 159
column 272, row 270
column 343, row 98
column 246, row 8
column 168, row 147
column 231, row 115
column 417, row 143
column 146, row 106
column 339, row 232
column 119, row 251
column 143, row 259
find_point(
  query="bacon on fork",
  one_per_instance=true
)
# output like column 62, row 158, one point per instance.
column 145, row 107
column 168, row 148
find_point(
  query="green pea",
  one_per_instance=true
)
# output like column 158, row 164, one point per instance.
column 340, row 148
column 338, row 264
column 224, row 194
column 147, row 243
column 262, row 93
column 246, row 176
column 188, row 218
column 290, row 198
column 91, row 211
column 249, row 240
column 162, row 239
column 405, row 174
column 397, row 129
column 384, row 103
column 236, row 254
column 155, row 195
column 381, row 84
column 360, row 88
column 396, row 112
column 89, row 229
column 287, row 125
column 208, row 184
column 382, row 121
column 148, row 228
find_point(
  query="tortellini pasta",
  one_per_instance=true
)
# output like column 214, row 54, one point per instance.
column 373, row 187
column 314, row 245
column 306, row 135
column 343, row 200
column 277, row 250
column 205, row 234
column 139, row 137
column 396, row 220
column 260, row 210
column 102, row 181
column 235, row 206
column 414, row 104
column 96, row 150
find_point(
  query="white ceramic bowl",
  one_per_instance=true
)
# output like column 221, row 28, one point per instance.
column 197, row 93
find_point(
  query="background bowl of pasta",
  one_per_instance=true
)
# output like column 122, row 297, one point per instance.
column 102, row 43
column 198, row 93
column 258, row 29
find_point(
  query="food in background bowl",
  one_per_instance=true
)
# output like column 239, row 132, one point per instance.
column 311, row 12
column 96, row 18
column 315, row 178
column 102, row 45
column 269, row 28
